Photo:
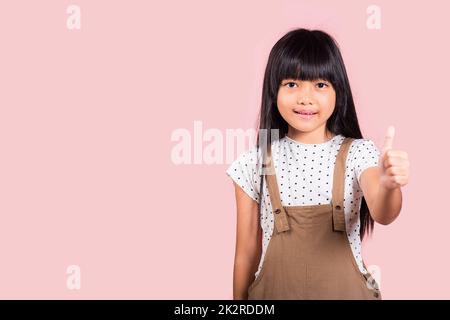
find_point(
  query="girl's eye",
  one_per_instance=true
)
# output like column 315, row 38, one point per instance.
column 288, row 83
column 323, row 84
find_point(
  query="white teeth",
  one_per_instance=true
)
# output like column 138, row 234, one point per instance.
column 305, row 113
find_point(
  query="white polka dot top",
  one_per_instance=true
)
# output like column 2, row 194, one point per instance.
column 305, row 177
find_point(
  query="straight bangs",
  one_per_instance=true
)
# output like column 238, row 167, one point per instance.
column 306, row 59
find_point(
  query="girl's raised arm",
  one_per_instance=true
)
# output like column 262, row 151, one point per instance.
column 381, row 185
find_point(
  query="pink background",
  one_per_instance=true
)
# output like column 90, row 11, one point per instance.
column 86, row 118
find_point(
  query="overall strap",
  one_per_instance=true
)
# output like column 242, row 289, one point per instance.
column 339, row 186
column 279, row 213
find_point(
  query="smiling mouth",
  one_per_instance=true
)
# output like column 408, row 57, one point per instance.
column 305, row 115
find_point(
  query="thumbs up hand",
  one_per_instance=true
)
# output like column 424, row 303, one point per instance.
column 394, row 164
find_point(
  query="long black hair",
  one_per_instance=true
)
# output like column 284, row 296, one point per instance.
column 309, row 55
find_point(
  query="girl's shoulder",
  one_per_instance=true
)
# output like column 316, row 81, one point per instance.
column 250, row 160
column 362, row 155
column 245, row 170
column 363, row 146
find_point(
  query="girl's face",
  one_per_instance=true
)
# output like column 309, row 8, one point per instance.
column 296, row 97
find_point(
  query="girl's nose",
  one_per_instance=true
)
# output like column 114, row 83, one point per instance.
column 304, row 94
column 304, row 99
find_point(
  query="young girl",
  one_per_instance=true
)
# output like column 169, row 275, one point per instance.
column 302, row 215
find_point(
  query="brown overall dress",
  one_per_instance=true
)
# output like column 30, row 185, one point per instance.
column 308, row 255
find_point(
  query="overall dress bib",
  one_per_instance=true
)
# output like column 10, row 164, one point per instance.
column 309, row 255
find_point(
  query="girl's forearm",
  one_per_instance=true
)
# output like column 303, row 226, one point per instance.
column 387, row 206
column 243, row 275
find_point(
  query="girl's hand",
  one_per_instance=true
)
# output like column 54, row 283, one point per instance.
column 394, row 164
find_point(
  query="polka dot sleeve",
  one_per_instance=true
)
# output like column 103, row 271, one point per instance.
column 244, row 172
column 367, row 155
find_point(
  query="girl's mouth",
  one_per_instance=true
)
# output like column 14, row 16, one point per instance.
column 305, row 115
